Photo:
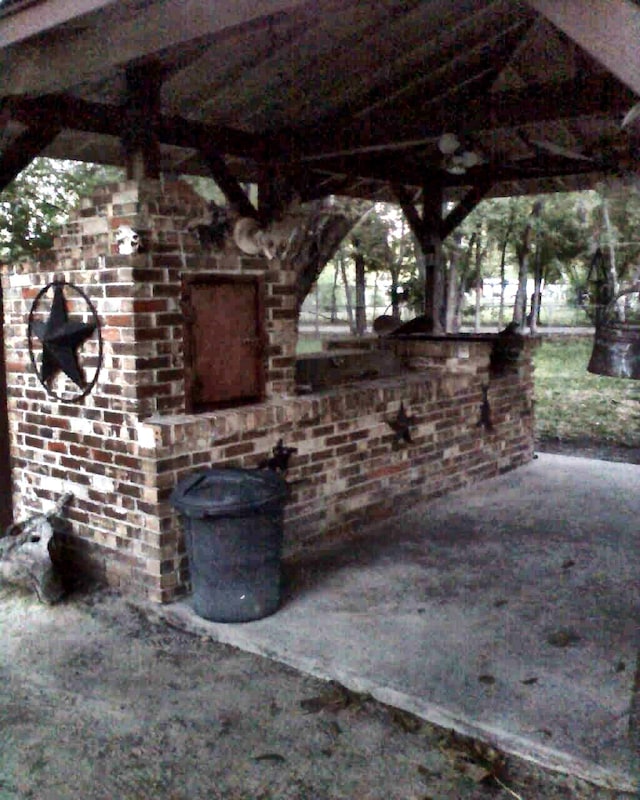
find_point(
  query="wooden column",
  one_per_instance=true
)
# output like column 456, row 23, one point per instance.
column 426, row 228
column 139, row 137
column 431, row 242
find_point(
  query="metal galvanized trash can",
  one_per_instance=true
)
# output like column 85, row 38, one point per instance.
column 233, row 523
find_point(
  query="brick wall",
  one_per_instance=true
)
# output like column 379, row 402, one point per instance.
column 93, row 448
column 349, row 468
column 123, row 448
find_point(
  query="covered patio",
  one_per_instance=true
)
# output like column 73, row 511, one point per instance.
column 507, row 612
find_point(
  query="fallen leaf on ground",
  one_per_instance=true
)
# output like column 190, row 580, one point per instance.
column 336, row 698
column 427, row 773
column 275, row 757
column 474, row 759
column 407, row 721
column 620, row 666
column 488, row 679
column 563, row 637
column 568, row 564
column 529, row 681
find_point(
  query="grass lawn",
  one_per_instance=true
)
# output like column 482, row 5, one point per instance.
column 572, row 404
column 308, row 345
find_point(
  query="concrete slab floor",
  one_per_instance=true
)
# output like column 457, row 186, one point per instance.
column 508, row 611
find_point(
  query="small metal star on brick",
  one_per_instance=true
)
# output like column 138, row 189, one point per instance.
column 61, row 338
column 401, row 424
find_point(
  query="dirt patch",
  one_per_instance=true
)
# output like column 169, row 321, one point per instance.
column 98, row 702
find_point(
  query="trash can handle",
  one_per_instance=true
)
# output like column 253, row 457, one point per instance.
column 193, row 483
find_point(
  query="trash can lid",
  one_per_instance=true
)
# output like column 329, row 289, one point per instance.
column 227, row 491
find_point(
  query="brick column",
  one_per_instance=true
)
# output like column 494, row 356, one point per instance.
column 101, row 449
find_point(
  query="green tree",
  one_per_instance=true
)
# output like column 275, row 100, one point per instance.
column 39, row 200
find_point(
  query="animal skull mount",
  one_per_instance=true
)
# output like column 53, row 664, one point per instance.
column 128, row 241
column 254, row 240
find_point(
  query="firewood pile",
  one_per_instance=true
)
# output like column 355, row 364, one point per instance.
column 27, row 553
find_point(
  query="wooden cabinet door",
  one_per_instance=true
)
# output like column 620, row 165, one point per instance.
column 224, row 352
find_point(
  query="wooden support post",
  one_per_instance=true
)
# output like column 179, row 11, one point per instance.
column 23, row 150
column 142, row 117
column 361, row 306
column 427, row 230
column 464, row 207
column 229, row 184
column 432, row 248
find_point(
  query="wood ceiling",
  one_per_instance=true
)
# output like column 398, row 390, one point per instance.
column 338, row 96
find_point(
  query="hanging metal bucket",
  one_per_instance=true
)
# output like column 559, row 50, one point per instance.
column 616, row 348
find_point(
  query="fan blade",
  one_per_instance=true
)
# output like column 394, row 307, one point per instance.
column 558, row 150
column 631, row 116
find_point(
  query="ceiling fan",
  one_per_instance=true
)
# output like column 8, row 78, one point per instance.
column 457, row 158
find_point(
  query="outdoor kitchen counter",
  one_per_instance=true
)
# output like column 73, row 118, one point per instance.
column 362, row 449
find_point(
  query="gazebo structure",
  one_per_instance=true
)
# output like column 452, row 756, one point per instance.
column 430, row 103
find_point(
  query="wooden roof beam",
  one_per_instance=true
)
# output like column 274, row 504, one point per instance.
column 23, row 150
column 229, row 184
column 69, row 112
column 585, row 96
column 457, row 215
column 609, row 30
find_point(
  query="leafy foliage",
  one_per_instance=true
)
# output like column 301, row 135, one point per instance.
column 39, row 200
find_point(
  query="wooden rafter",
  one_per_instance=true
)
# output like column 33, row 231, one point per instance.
column 410, row 210
column 459, row 33
column 23, row 150
column 86, row 53
column 69, row 112
column 431, row 221
column 431, row 84
column 48, row 14
column 462, row 210
column 599, row 96
column 229, row 184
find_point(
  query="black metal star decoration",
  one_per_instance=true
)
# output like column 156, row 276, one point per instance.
column 401, row 425
column 61, row 338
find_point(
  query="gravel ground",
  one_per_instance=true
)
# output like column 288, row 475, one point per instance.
column 99, row 703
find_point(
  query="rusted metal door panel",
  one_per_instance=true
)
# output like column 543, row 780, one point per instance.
column 6, row 512
column 224, row 343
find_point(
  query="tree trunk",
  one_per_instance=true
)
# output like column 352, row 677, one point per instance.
column 462, row 282
column 523, row 253
column 375, row 295
column 347, row 295
column 318, row 238
column 536, row 298
column 520, row 305
column 610, row 265
column 395, row 300
column 452, row 285
column 478, row 281
column 334, row 293
column 503, row 262
column 361, row 303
